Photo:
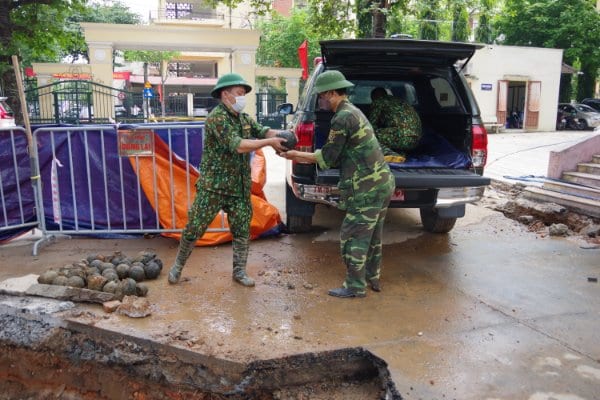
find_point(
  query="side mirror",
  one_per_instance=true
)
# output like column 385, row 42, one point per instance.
column 285, row 109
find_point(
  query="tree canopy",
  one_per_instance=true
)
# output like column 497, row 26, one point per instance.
column 281, row 37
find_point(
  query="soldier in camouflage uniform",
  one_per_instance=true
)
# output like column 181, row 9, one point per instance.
column 225, row 181
column 366, row 184
column 397, row 125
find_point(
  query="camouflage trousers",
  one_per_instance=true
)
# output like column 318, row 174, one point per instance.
column 239, row 215
column 360, row 239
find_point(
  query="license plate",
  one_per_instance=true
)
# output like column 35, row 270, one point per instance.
column 398, row 195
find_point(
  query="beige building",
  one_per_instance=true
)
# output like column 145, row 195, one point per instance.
column 521, row 80
column 211, row 42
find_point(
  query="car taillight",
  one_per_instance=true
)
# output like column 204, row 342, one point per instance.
column 2, row 114
column 305, row 132
column 479, row 146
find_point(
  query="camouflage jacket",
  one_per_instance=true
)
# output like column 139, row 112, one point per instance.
column 353, row 148
column 223, row 169
column 395, row 122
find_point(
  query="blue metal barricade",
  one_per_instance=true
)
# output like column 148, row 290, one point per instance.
column 92, row 178
column 17, row 198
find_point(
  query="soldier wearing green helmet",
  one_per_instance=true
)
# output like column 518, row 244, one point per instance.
column 224, row 182
column 366, row 184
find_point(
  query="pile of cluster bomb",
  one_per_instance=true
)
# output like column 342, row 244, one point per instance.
column 116, row 273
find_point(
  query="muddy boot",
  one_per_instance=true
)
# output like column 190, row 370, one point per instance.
column 185, row 249
column 240, row 257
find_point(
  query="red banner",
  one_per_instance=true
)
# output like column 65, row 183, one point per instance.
column 125, row 75
column 303, row 56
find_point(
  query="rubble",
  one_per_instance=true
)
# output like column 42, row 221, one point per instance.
column 541, row 216
column 135, row 307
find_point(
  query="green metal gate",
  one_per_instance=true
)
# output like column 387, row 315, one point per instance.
column 266, row 109
column 83, row 102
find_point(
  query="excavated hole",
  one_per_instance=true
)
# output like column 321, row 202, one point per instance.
column 44, row 357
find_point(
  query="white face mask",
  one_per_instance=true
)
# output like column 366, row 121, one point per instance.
column 240, row 103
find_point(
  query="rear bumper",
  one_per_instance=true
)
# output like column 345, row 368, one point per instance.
column 410, row 198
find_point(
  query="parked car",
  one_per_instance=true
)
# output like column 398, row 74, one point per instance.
column 443, row 174
column 7, row 118
column 588, row 118
column 594, row 103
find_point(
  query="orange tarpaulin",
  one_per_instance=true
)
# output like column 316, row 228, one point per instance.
column 170, row 183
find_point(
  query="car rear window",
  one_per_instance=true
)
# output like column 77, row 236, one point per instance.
column 361, row 93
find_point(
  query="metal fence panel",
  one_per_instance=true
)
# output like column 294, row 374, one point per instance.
column 87, row 188
column 17, row 198
column 266, row 109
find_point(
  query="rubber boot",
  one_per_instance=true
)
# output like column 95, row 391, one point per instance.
column 240, row 258
column 185, row 249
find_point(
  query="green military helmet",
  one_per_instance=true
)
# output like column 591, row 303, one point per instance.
column 229, row 80
column 331, row 80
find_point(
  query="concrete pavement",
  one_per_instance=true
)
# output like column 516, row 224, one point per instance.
column 519, row 154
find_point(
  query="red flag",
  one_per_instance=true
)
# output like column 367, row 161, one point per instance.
column 303, row 56
column 160, row 92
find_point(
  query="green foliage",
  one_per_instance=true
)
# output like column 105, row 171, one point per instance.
column 260, row 7
column 460, row 22
column 117, row 13
column 39, row 30
column 281, row 37
column 330, row 18
column 429, row 29
column 364, row 19
column 572, row 25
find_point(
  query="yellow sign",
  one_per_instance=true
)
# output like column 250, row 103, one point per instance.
column 136, row 142
column 147, row 85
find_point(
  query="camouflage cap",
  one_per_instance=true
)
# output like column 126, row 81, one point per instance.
column 229, row 80
column 331, row 80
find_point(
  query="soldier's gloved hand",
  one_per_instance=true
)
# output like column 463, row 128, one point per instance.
column 395, row 158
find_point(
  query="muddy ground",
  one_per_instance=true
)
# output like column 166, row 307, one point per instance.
column 443, row 318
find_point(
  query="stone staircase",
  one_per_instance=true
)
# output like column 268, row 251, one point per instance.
column 578, row 190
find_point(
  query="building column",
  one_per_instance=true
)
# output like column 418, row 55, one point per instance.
column 292, row 87
column 101, row 63
column 244, row 63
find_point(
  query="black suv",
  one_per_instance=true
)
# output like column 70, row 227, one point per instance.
column 443, row 173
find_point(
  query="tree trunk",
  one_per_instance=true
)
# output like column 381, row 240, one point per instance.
column 380, row 19
column 586, row 80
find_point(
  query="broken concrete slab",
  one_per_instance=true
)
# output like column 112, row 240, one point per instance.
column 35, row 305
column 69, row 293
column 18, row 286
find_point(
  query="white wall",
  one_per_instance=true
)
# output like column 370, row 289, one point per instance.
column 493, row 63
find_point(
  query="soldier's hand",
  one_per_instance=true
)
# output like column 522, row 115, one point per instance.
column 277, row 144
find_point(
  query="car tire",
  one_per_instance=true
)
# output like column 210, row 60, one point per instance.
column 582, row 125
column 433, row 223
column 298, row 223
column 299, row 213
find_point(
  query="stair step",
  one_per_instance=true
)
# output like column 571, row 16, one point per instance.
column 581, row 178
column 589, row 168
column 596, row 159
column 578, row 204
column 574, row 190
